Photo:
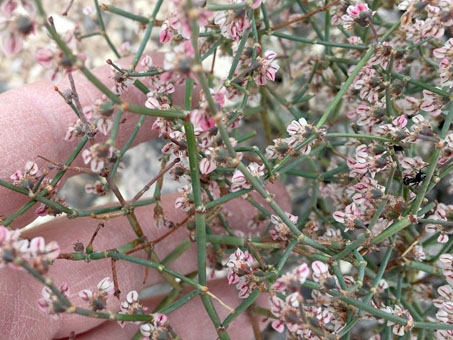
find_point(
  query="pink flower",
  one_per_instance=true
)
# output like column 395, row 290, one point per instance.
column 233, row 23
column 239, row 181
column 169, row 28
column 45, row 56
column 358, row 13
column 241, row 272
column 8, row 6
column 98, row 298
column 432, row 103
column 157, row 328
column 46, row 302
column 131, row 306
column 278, row 325
column 9, row 244
column 412, row 166
column 207, row 166
column 355, row 10
column 400, row 121
column 398, row 329
column 49, row 57
column 178, row 23
column 185, row 202
column 267, row 69
column 320, row 269
column 97, row 188
column 280, row 230
column 445, row 51
column 16, row 31
column 27, row 176
column 292, row 281
column 446, row 73
column 78, row 129
column 102, row 111
column 202, row 119
column 41, row 251
column 121, row 80
column 287, row 311
column 299, row 127
column 98, row 155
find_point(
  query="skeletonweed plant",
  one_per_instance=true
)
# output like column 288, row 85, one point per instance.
column 345, row 103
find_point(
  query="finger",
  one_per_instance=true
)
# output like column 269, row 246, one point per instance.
column 82, row 275
column 34, row 120
column 191, row 321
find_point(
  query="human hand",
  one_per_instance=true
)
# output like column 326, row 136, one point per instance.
column 34, row 120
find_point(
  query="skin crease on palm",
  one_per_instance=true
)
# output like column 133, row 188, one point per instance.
column 34, row 119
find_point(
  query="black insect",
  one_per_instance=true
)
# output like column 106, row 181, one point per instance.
column 414, row 180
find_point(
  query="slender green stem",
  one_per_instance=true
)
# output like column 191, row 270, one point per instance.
column 226, row 7
column 242, row 307
column 146, row 36
column 237, row 57
column 103, row 31
column 318, row 42
column 125, row 14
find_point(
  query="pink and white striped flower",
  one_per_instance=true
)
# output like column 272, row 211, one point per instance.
column 157, row 328
column 47, row 302
column 267, row 68
column 446, row 72
column 287, row 311
column 131, row 306
column 232, row 23
column 357, row 14
column 292, row 281
column 98, row 155
column 98, row 298
column 280, row 230
column 445, row 51
column 240, row 182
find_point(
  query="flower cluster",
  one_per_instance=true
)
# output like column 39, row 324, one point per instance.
column 233, row 23
column 14, row 26
column 355, row 122
column 280, row 230
column 35, row 252
column 157, row 329
column 242, row 272
column 294, row 312
column 357, row 14
column 97, row 299
column 49, row 302
column 299, row 133
column 240, row 182
column 131, row 306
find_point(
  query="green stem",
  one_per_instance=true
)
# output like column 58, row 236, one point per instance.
column 103, row 31
column 147, row 36
column 318, row 42
column 226, row 7
column 125, row 14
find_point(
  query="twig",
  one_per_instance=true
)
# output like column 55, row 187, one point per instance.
column 117, row 291
column 68, row 7
column 90, row 244
column 305, row 16
column 159, row 175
